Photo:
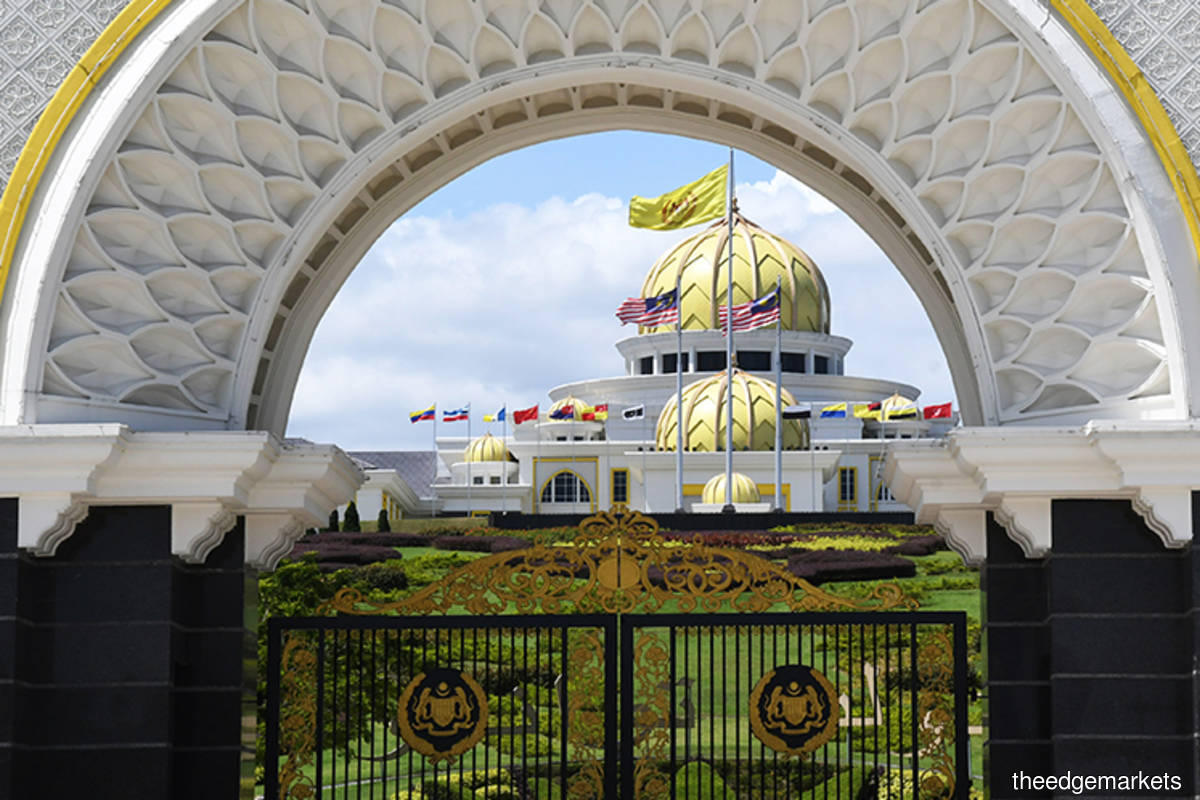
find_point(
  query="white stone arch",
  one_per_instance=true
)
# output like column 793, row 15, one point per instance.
column 213, row 193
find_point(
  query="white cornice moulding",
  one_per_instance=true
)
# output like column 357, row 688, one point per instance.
column 209, row 478
column 1016, row 472
column 269, row 537
column 197, row 529
column 965, row 530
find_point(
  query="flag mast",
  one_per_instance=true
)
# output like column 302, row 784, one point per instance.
column 466, row 452
column 678, row 393
column 729, row 352
column 504, row 465
column 433, row 485
column 779, row 396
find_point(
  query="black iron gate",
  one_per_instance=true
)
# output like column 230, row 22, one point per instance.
column 775, row 706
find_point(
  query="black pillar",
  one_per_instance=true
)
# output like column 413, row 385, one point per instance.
column 1015, row 611
column 1090, row 654
column 126, row 672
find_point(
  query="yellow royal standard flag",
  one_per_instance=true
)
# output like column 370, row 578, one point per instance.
column 700, row 201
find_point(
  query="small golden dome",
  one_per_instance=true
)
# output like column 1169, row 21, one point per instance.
column 760, row 259
column 487, row 448
column 753, row 416
column 744, row 489
column 578, row 408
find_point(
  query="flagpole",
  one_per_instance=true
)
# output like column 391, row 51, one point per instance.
column 435, row 457
column 504, row 466
column 645, row 483
column 466, row 450
column 812, row 463
column 536, row 501
column 678, row 395
column 779, row 397
column 728, row 354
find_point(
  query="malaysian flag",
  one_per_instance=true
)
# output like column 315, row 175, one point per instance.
column 650, row 311
column 748, row 316
column 457, row 414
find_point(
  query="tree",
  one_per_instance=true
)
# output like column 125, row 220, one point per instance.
column 351, row 523
column 384, row 523
column 333, row 520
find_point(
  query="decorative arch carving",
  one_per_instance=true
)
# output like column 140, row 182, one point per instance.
column 210, row 225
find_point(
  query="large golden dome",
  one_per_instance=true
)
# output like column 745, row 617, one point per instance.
column 753, row 416
column 487, row 448
column 760, row 258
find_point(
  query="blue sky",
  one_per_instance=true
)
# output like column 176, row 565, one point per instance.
column 504, row 283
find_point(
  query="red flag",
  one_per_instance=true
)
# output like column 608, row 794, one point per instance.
column 938, row 412
column 524, row 415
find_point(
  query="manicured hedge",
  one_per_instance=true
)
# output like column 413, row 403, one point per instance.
column 819, row 566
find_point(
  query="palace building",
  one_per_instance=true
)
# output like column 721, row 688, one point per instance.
column 575, row 460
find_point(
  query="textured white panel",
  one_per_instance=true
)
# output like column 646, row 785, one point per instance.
column 261, row 116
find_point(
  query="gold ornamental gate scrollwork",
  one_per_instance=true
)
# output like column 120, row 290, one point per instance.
column 619, row 563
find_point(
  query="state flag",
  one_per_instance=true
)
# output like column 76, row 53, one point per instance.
column 563, row 412
column 525, row 415
column 835, row 410
column 898, row 407
column 424, row 414
column 796, row 412
column 866, row 410
column 457, row 415
column 499, row 416
column 942, row 411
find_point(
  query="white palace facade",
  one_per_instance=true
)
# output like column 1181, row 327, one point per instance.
column 575, row 464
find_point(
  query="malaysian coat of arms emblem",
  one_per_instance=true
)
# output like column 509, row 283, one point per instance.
column 794, row 709
column 442, row 713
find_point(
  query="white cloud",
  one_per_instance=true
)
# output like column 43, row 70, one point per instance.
column 502, row 304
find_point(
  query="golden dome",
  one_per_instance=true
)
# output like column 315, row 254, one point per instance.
column 753, row 416
column 576, row 413
column 487, row 448
column 760, row 258
column 744, row 489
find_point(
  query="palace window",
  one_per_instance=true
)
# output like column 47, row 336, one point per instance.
column 754, row 360
column 847, row 488
column 646, row 366
column 620, row 486
column 793, row 362
column 668, row 363
column 566, row 487
column 477, row 480
column 821, row 365
column 710, row 361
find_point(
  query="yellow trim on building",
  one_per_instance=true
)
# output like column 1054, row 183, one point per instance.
column 536, row 504
column 766, row 490
column 60, row 111
column 851, row 503
column 591, row 492
column 1144, row 102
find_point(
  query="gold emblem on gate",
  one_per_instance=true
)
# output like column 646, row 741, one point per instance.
column 793, row 709
column 443, row 713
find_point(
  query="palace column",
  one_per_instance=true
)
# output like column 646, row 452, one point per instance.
column 1090, row 583
column 127, row 601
